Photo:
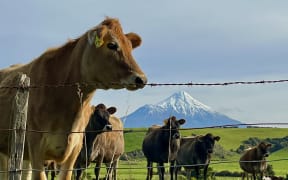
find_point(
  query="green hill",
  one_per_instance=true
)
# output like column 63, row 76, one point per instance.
column 231, row 138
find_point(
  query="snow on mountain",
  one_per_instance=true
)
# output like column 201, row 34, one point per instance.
column 182, row 102
column 182, row 105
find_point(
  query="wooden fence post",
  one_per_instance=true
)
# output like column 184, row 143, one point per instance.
column 19, row 117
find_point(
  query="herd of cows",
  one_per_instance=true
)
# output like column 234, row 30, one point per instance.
column 165, row 144
column 64, row 80
column 104, row 143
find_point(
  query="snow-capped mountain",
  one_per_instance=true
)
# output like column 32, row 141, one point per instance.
column 181, row 105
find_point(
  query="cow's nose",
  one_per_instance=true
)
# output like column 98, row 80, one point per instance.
column 266, row 154
column 140, row 80
column 176, row 136
column 108, row 127
column 210, row 151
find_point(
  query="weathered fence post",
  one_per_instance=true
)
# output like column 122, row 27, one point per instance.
column 19, row 117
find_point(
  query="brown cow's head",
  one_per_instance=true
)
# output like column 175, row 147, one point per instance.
column 263, row 149
column 108, row 57
column 207, row 142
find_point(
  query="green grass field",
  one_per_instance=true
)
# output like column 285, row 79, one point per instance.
column 231, row 139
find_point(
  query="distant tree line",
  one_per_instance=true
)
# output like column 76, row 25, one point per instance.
column 277, row 143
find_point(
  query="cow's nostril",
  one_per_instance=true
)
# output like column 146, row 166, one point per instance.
column 139, row 80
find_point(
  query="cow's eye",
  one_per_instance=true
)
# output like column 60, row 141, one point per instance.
column 113, row 46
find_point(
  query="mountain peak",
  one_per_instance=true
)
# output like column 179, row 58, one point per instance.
column 183, row 102
column 182, row 105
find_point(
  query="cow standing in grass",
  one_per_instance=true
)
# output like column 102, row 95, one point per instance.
column 98, row 124
column 253, row 160
column 161, row 145
column 66, row 79
column 107, row 148
column 195, row 153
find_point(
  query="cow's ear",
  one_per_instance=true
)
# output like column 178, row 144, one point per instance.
column 217, row 138
column 181, row 121
column 96, row 36
column 112, row 110
column 135, row 39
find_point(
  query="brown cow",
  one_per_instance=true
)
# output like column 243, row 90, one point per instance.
column 257, row 157
column 100, row 143
column 108, row 147
column 194, row 153
column 98, row 123
column 161, row 145
column 66, row 79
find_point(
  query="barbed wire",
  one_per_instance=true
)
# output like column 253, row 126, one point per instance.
column 189, row 84
column 132, row 130
column 219, row 84
column 127, row 130
column 212, row 162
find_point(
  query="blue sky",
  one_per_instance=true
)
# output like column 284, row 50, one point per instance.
column 183, row 41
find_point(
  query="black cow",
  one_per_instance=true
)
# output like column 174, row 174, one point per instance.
column 195, row 153
column 98, row 123
column 161, row 144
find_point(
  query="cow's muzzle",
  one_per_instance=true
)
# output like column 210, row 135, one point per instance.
column 176, row 136
column 266, row 155
column 108, row 127
column 209, row 151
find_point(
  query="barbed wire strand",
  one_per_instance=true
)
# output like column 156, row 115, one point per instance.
column 78, row 85
column 189, row 84
column 130, row 130
column 213, row 162
column 144, row 130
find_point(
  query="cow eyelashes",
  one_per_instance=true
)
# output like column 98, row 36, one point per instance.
column 113, row 46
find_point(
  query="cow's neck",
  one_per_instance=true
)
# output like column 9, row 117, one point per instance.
column 59, row 69
column 90, row 135
column 63, row 67
column 91, row 132
column 166, row 138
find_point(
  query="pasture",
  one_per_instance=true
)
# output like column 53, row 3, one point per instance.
column 231, row 139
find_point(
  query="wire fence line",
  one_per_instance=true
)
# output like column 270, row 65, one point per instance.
column 132, row 130
column 127, row 130
column 213, row 162
column 189, row 84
